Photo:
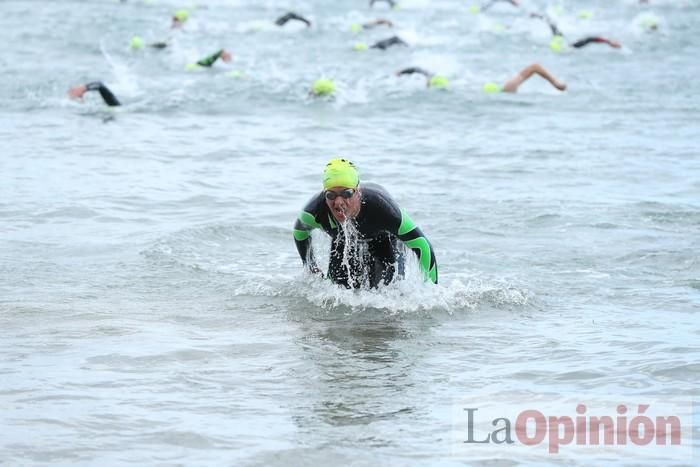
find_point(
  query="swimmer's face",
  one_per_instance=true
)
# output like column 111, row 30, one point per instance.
column 345, row 203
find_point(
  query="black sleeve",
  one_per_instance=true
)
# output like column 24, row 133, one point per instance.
column 414, row 69
column 211, row 59
column 282, row 20
column 584, row 42
column 391, row 3
column 106, row 94
column 307, row 221
column 386, row 43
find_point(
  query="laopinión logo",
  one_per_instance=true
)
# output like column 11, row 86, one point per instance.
column 649, row 428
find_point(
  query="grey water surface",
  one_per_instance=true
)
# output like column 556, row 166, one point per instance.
column 153, row 309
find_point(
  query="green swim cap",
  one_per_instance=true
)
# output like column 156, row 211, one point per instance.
column 585, row 14
column 356, row 27
column 360, row 46
column 323, row 87
column 182, row 15
column 136, row 43
column 474, row 9
column 556, row 43
column 340, row 172
column 492, row 88
column 439, row 82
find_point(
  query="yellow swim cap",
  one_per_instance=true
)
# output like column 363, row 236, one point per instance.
column 323, row 87
column 340, row 172
column 136, row 43
column 355, row 27
column 360, row 46
column 492, row 88
column 556, row 43
column 474, row 9
column 585, row 14
column 438, row 81
column 181, row 15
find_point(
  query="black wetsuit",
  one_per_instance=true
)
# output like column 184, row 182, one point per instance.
column 375, row 256
column 553, row 27
column 493, row 2
column 282, row 20
column 386, row 43
column 585, row 41
column 211, row 59
column 391, row 3
column 106, row 94
column 415, row 69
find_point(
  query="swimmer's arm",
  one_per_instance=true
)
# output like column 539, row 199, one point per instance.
column 602, row 40
column 211, row 59
column 305, row 223
column 282, row 20
column 107, row 96
column 391, row 3
column 553, row 27
column 378, row 22
column 413, row 69
column 412, row 236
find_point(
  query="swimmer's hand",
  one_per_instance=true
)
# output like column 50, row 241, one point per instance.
column 316, row 270
column 77, row 92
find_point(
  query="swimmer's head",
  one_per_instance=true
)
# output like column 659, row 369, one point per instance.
column 355, row 27
column 323, row 87
column 491, row 88
column 136, row 43
column 191, row 67
column 438, row 82
column 359, row 46
column 474, row 9
column 181, row 15
column 340, row 173
column 585, row 14
column 556, row 43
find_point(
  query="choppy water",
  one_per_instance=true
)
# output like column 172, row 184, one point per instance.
column 152, row 304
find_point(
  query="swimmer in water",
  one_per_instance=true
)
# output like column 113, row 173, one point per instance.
column 392, row 3
column 493, row 2
column 386, row 43
column 431, row 79
column 282, row 20
column 367, row 228
column 558, row 36
column 222, row 54
column 526, row 73
column 77, row 93
column 357, row 27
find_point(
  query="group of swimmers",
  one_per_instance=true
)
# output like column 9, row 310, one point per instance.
column 326, row 87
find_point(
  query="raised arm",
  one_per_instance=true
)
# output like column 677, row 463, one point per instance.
column 79, row 91
column 305, row 223
column 588, row 40
column 412, row 236
column 282, row 20
column 222, row 54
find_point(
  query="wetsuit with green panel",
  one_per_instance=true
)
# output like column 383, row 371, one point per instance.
column 375, row 256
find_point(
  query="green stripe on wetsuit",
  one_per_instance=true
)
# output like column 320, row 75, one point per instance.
column 209, row 61
column 409, row 234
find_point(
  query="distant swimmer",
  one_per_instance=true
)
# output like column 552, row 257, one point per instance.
column 526, row 73
column 222, row 54
column 601, row 40
column 77, row 92
column 558, row 36
column 493, row 2
column 392, row 3
column 357, row 27
column 282, row 20
column 365, row 225
column 386, row 43
column 179, row 19
column 431, row 79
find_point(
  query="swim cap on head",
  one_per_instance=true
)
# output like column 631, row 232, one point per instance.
column 585, row 14
column 191, row 66
column 492, row 88
column 355, row 27
column 438, row 81
column 323, row 87
column 360, row 46
column 474, row 9
column 556, row 43
column 340, row 172
column 181, row 15
column 136, row 43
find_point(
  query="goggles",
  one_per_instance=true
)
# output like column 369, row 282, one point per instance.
column 345, row 194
